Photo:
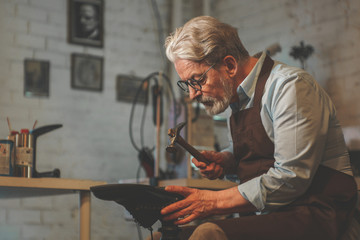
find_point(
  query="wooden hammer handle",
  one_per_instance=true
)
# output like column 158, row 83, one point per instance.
column 195, row 153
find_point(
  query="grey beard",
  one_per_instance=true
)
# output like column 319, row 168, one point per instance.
column 219, row 105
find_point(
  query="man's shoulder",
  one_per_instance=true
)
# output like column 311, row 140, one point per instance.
column 284, row 74
column 282, row 69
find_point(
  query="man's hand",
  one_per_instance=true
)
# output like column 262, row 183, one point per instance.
column 203, row 203
column 197, row 204
column 220, row 162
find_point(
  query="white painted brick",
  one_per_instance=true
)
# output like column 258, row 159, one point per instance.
column 2, row 216
column 4, row 66
column 7, row 8
column 68, row 201
column 9, row 202
column 18, row 54
column 6, row 100
column 328, row 13
column 44, row 29
column 56, row 45
column 10, row 232
column 87, row 146
column 55, row 217
column 31, row 13
column 25, row 40
column 16, row 216
column 31, row 231
column 46, row 5
column 94, row 51
column 19, row 1
column 6, row 39
column 57, row 59
column 38, row 203
column 58, row 18
column 67, row 232
column 13, row 24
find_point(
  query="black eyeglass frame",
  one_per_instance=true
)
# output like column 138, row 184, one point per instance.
column 195, row 84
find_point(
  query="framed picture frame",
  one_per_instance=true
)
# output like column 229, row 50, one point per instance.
column 36, row 78
column 86, row 22
column 127, row 87
column 86, row 72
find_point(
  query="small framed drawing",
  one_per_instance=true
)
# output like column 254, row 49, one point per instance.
column 86, row 72
column 86, row 22
column 129, row 87
column 36, row 78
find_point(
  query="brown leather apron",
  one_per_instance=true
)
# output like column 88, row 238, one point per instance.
column 253, row 149
column 322, row 212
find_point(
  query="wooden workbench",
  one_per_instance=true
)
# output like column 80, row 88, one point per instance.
column 15, row 187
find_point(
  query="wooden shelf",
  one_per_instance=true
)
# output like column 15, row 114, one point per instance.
column 53, row 183
column 14, row 187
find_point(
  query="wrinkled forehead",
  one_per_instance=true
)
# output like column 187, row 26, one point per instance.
column 187, row 69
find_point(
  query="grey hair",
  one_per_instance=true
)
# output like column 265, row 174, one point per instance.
column 205, row 39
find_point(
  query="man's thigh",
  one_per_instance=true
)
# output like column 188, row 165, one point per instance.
column 300, row 223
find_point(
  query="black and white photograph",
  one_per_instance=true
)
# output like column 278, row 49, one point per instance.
column 86, row 22
column 36, row 78
column 86, row 72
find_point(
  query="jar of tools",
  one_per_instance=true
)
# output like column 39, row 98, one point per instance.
column 6, row 156
column 24, row 154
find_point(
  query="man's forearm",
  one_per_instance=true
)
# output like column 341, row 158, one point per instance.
column 231, row 201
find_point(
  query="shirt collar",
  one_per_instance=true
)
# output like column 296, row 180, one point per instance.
column 247, row 88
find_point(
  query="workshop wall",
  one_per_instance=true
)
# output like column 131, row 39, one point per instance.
column 331, row 27
column 94, row 141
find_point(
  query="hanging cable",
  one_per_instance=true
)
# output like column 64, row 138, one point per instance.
column 160, row 31
column 144, row 153
column 138, row 92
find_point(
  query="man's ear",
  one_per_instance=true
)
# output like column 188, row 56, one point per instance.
column 231, row 65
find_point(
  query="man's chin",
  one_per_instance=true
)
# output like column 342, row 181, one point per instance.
column 214, row 107
column 212, row 111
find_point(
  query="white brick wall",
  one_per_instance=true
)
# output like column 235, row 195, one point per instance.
column 94, row 141
column 23, row 216
column 330, row 26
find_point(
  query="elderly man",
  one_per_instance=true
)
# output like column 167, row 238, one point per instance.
column 286, row 145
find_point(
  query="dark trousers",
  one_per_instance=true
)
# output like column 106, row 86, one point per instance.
column 323, row 212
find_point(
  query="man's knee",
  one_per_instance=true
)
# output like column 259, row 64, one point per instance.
column 154, row 236
column 208, row 231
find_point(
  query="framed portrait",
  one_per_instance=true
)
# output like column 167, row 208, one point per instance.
column 86, row 72
column 86, row 22
column 36, row 78
column 127, row 87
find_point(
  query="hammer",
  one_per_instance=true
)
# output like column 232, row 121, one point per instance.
column 175, row 137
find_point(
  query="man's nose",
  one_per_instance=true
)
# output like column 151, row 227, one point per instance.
column 193, row 93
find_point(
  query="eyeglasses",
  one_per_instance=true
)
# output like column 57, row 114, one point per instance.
column 195, row 84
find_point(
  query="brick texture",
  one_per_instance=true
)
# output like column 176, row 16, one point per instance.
column 94, row 140
column 330, row 26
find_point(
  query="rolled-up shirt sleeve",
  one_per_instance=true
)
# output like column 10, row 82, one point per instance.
column 298, row 111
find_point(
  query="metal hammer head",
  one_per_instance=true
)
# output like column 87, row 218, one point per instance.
column 174, row 133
